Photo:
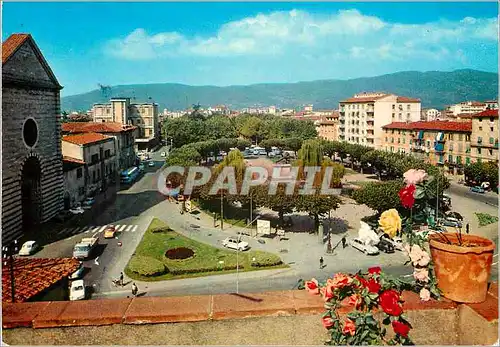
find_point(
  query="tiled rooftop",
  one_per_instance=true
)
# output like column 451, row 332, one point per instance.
column 10, row 45
column 34, row 275
column 431, row 125
column 85, row 138
column 106, row 127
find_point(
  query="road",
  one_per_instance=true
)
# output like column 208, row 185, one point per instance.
column 489, row 198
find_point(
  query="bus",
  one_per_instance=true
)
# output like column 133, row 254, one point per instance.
column 130, row 175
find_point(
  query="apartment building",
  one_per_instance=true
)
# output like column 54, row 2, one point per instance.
column 89, row 165
column 123, row 134
column 327, row 126
column 491, row 104
column 430, row 114
column 143, row 115
column 466, row 107
column 484, row 140
column 362, row 116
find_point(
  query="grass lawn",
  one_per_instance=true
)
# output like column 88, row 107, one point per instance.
column 232, row 215
column 485, row 219
column 150, row 254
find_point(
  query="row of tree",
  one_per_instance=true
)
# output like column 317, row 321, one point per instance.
column 477, row 173
column 195, row 127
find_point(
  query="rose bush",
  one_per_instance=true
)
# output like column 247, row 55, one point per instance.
column 362, row 294
column 390, row 222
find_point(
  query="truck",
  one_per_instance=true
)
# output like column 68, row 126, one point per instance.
column 84, row 248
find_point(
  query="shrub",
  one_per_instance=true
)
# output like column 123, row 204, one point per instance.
column 379, row 196
column 201, row 270
column 485, row 219
column 265, row 260
column 146, row 266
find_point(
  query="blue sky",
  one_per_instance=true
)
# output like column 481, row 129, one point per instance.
column 244, row 43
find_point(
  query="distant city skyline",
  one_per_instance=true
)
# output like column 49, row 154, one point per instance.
column 238, row 44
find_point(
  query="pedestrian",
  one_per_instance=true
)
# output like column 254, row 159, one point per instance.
column 134, row 289
column 121, row 279
column 321, row 262
column 344, row 242
column 467, row 228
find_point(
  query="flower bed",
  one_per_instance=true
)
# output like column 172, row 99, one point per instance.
column 179, row 253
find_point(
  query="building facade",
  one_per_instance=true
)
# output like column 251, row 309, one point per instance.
column 96, row 153
column 124, row 137
column 143, row 115
column 442, row 143
column 484, row 141
column 466, row 107
column 362, row 116
column 430, row 114
column 32, row 176
column 327, row 127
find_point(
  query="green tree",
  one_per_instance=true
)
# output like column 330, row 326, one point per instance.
column 317, row 205
column 379, row 196
column 251, row 128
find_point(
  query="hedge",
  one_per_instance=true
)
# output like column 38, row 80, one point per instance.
column 266, row 260
column 201, row 270
column 146, row 266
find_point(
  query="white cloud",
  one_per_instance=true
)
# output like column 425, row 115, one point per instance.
column 347, row 33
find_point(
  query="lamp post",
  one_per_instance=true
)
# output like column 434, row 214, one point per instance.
column 237, row 256
column 8, row 256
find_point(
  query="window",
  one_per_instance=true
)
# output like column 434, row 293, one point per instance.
column 490, row 152
column 411, row 141
column 479, row 139
column 393, row 107
column 81, row 190
column 392, row 132
column 386, row 139
column 467, row 138
column 93, row 177
column 480, row 128
column 480, row 120
column 407, row 115
column 492, row 140
column 392, row 149
column 404, row 140
column 392, row 139
column 408, row 107
column 460, row 137
column 467, row 149
column 492, row 119
column 479, row 150
column 450, row 136
column 467, row 161
column 399, row 132
column 491, row 129
column 459, row 159
column 450, row 158
column 393, row 115
column 107, row 153
column 428, row 143
column 79, row 173
column 95, row 158
column 460, row 147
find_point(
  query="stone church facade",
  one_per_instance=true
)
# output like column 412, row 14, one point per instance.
column 32, row 175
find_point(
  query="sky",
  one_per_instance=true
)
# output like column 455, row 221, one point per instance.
column 235, row 43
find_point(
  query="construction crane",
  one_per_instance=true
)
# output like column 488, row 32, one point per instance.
column 105, row 90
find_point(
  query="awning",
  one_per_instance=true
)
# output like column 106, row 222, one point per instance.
column 420, row 134
column 440, row 137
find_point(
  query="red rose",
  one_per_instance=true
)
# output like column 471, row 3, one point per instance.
column 389, row 300
column 349, row 327
column 375, row 270
column 312, row 286
column 407, row 196
column 401, row 328
column 364, row 283
column 355, row 300
column 373, row 286
column 327, row 322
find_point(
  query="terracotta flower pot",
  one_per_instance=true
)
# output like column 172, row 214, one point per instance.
column 462, row 272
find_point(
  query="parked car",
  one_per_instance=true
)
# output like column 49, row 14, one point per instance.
column 396, row 242
column 362, row 247
column 109, row 232
column 88, row 202
column 141, row 167
column 450, row 222
column 28, row 248
column 151, row 163
column 78, row 273
column 477, row 189
column 63, row 216
column 453, row 214
column 385, row 245
column 77, row 290
column 163, row 154
column 84, row 248
column 233, row 243
column 77, row 210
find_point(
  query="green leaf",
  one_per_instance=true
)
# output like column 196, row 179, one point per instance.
column 387, row 320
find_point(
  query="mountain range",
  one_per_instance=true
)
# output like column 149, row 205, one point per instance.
column 436, row 89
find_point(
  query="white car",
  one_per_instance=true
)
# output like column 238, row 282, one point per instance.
column 77, row 290
column 233, row 243
column 77, row 210
column 28, row 248
column 367, row 249
column 151, row 163
column 78, row 273
column 163, row 154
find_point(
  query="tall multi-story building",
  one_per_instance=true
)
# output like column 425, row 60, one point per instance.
column 143, row 115
column 484, row 141
column 466, row 107
column 362, row 116
column 32, row 166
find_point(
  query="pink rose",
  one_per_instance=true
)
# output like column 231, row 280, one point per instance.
column 414, row 177
column 418, row 256
column 340, row 280
column 425, row 295
column 312, row 286
column 421, row 275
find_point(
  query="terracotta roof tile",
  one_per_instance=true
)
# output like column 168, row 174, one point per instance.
column 73, row 160
column 10, row 45
column 486, row 113
column 431, row 125
column 96, row 127
column 364, row 99
column 34, row 275
column 407, row 99
column 85, row 138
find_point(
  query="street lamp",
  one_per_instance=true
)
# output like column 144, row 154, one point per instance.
column 8, row 256
column 237, row 256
